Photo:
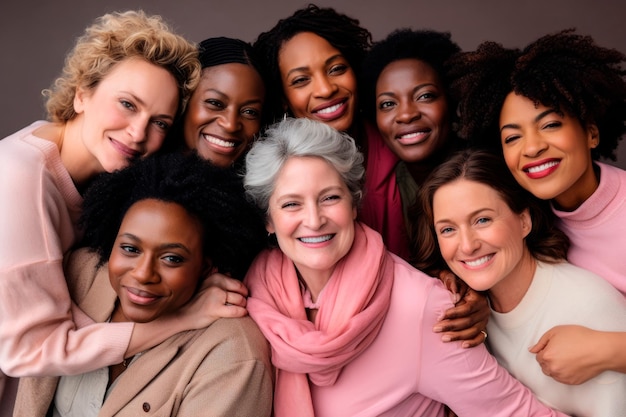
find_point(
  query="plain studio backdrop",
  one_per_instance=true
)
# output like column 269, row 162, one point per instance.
column 36, row 35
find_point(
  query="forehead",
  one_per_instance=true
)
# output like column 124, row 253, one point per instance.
column 412, row 67
column 232, row 75
column 303, row 172
column 152, row 212
column 472, row 194
column 304, row 47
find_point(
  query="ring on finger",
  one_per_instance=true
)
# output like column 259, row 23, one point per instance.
column 484, row 333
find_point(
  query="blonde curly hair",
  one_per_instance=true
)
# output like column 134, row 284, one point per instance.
column 112, row 38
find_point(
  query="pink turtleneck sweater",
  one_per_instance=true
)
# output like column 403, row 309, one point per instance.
column 597, row 229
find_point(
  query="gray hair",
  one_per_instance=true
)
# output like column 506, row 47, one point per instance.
column 301, row 137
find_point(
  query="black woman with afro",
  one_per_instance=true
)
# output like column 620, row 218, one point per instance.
column 152, row 233
column 552, row 109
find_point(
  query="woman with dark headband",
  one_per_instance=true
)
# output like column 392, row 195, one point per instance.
column 226, row 110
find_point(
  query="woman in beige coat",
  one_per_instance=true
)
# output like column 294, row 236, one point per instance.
column 163, row 224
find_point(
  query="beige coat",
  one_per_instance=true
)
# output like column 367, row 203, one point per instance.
column 222, row 370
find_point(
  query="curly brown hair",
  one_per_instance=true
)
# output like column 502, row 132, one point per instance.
column 565, row 71
column 113, row 38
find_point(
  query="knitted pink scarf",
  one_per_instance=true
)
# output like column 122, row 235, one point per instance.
column 355, row 302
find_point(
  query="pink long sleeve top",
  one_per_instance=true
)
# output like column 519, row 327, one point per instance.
column 409, row 371
column 42, row 332
column 597, row 229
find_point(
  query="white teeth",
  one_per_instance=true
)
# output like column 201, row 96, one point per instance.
column 411, row 135
column 330, row 109
column 219, row 142
column 316, row 239
column 542, row 167
column 479, row 261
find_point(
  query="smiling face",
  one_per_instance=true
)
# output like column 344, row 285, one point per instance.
column 480, row 237
column 312, row 214
column 547, row 152
column 412, row 109
column 157, row 260
column 128, row 113
column 318, row 81
column 224, row 112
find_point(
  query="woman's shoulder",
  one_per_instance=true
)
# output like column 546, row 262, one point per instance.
column 576, row 278
column 418, row 288
column 23, row 145
column 238, row 337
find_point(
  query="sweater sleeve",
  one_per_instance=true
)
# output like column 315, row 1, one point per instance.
column 42, row 332
column 470, row 381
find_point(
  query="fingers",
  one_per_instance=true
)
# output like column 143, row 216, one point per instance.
column 226, row 283
column 234, row 299
column 449, row 280
column 463, row 289
column 229, row 310
column 466, row 321
column 461, row 311
column 473, row 307
column 469, row 337
column 456, row 325
column 541, row 343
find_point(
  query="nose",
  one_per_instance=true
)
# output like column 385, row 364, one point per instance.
column 408, row 111
column 229, row 121
column 144, row 271
column 469, row 241
column 324, row 87
column 315, row 218
column 534, row 145
column 138, row 129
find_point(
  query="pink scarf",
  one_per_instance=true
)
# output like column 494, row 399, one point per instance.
column 356, row 300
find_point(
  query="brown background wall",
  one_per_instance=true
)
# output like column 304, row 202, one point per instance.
column 36, row 34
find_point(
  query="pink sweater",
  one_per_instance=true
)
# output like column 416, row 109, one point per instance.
column 597, row 229
column 408, row 371
column 42, row 332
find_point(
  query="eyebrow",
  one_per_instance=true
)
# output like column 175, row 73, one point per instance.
column 328, row 61
column 332, row 188
column 536, row 119
column 224, row 95
column 143, row 103
column 161, row 247
column 472, row 214
column 413, row 91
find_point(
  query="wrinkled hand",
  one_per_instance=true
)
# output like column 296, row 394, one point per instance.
column 468, row 319
column 219, row 296
column 570, row 354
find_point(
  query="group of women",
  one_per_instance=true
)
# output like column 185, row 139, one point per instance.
column 338, row 176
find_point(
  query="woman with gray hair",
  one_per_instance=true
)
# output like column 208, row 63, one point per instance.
column 350, row 323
